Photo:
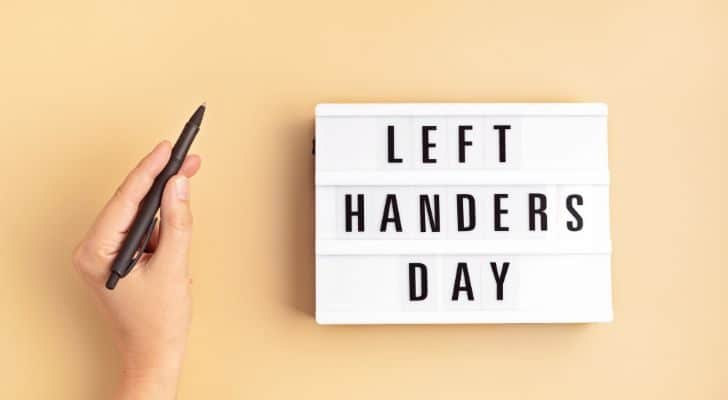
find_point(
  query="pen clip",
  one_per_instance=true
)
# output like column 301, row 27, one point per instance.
column 143, row 245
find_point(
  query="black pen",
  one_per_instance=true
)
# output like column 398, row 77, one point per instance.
column 141, row 229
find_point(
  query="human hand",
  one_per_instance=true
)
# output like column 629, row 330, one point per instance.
column 150, row 308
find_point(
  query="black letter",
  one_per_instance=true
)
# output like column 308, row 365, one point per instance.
column 501, row 141
column 532, row 211
column 498, row 211
column 471, row 212
column 463, row 142
column 434, row 220
column 426, row 144
column 579, row 221
column 499, row 279
column 391, row 201
column 350, row 213
column 413, row 267
column 390, row 146
column 462, row 272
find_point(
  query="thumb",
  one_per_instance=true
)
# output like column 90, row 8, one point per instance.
column 176, row 226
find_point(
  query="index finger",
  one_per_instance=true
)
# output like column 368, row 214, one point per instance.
column 114, row 220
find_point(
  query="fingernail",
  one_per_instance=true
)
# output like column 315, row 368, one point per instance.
column 181, row 186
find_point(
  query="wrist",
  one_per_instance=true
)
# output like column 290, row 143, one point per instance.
column 156, row 383
column 149, row 356
column 150, row 374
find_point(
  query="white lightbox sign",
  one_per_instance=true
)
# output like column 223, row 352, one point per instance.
column 462, row 213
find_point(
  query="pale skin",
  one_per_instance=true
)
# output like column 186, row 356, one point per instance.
column 149, row 310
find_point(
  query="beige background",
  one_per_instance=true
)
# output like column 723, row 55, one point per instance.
column 88, row 87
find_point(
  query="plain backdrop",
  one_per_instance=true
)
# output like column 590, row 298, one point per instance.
column 88, row 87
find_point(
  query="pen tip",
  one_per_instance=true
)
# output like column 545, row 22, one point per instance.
column 197, row 116
column 204, row 104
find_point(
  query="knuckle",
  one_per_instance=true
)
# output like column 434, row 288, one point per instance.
column 80, row 257
column 76, row 256
column 120, row 191
column 122, row 195
column 128, row 192
column 86, row 258
column 182, row 222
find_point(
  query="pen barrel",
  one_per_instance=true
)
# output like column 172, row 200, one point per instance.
column 151, row 202
column 184, row 142
column 147, row 210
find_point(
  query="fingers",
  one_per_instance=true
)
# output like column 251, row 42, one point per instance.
column 189, row 168
column 118, row 214
column 104, row 238
column 176, row 227
column 191, row 165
